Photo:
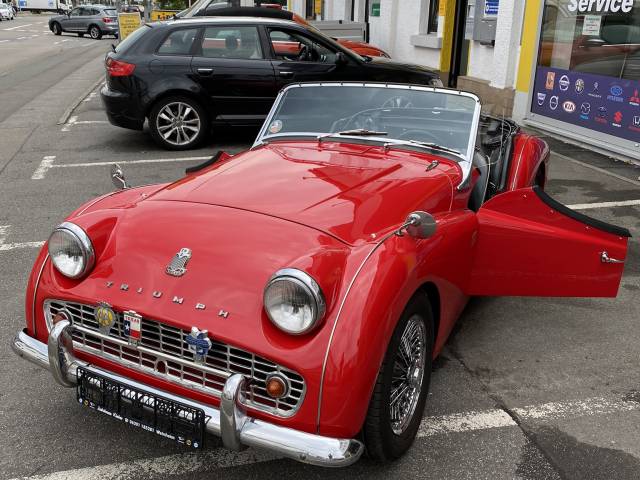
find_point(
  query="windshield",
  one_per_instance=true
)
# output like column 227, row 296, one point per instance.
column 422, row 117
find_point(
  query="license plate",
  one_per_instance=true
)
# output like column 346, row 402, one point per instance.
column 170, row 419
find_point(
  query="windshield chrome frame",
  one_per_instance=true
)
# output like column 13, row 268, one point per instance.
column 466, row 163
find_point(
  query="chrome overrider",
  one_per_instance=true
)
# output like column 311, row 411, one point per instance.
column 230, row 422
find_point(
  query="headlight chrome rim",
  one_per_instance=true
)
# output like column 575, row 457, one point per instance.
column 86, row 248
column 305, row 281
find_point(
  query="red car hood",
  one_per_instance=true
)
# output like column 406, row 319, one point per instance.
column 353, row 192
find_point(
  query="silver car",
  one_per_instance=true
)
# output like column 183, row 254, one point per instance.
column 6, row 12
column 94, row 20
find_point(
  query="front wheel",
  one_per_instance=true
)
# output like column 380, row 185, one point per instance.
column 178, row 123
column 397, row 403
column 56, row 29
column 95, row 32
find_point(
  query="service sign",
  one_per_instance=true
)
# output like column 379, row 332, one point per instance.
column 604, row 104
column 158, row 15
column 129, row 23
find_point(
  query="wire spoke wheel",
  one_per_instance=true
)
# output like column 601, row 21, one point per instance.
column 178, row 123
column 408, row 374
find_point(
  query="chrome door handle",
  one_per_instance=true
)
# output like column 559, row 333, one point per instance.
column 205, row 71
column 286, row 74
column 605, row 258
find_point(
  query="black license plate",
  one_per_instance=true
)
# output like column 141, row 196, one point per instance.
column 168, row 418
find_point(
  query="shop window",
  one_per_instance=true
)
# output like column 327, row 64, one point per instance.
column 432, row 18
column 427, row 36
column 588, row 69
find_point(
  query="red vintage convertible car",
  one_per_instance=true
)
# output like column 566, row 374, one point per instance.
column 292, row 297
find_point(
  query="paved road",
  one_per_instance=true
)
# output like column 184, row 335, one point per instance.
column 526, row 388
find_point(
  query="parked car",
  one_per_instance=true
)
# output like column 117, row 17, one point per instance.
column 292, row 297
column 195, row 72
column 210, row 8
column 94, row 20
column 6, row 12
column 132, row 9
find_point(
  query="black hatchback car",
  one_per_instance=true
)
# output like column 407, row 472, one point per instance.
column 187, row 75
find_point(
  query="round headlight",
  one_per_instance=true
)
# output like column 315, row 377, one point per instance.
column 293, row 301
column 71, row 250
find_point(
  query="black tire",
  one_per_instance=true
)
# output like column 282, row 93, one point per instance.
column 94, row 32
column 80, row 34
column 172, row 141
column 56, row 28
column 382, row 443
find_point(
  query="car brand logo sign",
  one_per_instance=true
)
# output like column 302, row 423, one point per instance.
column 199, row 343
column 551, row 79
column 569, row 106
column 553, row 102
column 177, row 267
column 132, row 327
column 585, row 108
column 636, row 121
column 541, row 98
column 617, row 117
column 579, row 85
column 564, row 83
column 616, row 90
column 105, row 316
column 602, row 112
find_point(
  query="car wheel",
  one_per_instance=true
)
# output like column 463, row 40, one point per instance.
column 397, row 403
column 178, row 123
column 95, row 32
column 56, row 29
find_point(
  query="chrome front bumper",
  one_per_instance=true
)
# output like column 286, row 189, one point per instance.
column 230, row 422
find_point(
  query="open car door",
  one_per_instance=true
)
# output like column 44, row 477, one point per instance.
column 529, row 244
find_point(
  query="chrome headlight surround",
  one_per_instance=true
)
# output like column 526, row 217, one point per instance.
column 305, row 286
column 66, row 238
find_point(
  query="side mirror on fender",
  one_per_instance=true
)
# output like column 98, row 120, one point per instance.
column 421, row 225
column 117, row 177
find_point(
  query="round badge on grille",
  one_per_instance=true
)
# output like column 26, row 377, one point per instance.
column 105, row 316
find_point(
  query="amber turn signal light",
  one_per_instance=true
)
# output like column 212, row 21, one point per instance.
column 277, row 386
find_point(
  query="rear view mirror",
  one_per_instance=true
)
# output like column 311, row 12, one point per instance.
column 341, row 58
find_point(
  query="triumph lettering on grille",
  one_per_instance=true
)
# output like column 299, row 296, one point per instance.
column 177, row 267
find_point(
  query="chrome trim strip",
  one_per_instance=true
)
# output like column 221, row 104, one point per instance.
column 35, row 295
column 287, row 442
column 335, row 323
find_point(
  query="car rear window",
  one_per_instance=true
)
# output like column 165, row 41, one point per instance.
column 178, row 42
column 111, row 13
column 132, row 38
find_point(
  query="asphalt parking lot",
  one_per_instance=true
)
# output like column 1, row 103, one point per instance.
column 526, row 388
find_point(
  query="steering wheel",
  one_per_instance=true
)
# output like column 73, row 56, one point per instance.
column 303, row 54
column 419, row 135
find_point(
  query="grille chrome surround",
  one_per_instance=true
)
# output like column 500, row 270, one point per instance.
column 162, row 352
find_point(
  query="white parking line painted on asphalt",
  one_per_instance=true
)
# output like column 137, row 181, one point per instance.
column 587, row 206
column 4, row 247
column 181, row 464
column 89, row 122
column 597, row 169
column 70, row 122
column 207, row 461
column 2, row 41
column 47, row 164
column 19, row 26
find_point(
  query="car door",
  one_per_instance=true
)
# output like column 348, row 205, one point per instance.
column 528, row 244
column 72, row 22
column 230, row 66
column 301, row 57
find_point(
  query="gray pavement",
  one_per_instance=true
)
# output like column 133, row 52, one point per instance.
column 526, row 388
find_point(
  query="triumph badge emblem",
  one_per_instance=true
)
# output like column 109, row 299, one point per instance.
column 177, row 266
column 132, row 327
column 199, row 343
column 105, row 317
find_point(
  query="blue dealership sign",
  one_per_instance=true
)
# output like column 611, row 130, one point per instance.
column 597, row 102
column 491, row 7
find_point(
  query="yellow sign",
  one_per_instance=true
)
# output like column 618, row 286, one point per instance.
column 157, row 15
column 318, row 7
column 129, row 23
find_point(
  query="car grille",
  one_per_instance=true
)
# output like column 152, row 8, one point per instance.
column 162, row 351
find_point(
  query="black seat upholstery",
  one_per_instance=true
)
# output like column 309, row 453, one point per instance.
column 481, row 162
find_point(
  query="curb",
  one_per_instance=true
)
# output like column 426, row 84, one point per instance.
column 67, row 113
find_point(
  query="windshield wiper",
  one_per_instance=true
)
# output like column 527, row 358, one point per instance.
column 435, row 146
column 360, row 132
